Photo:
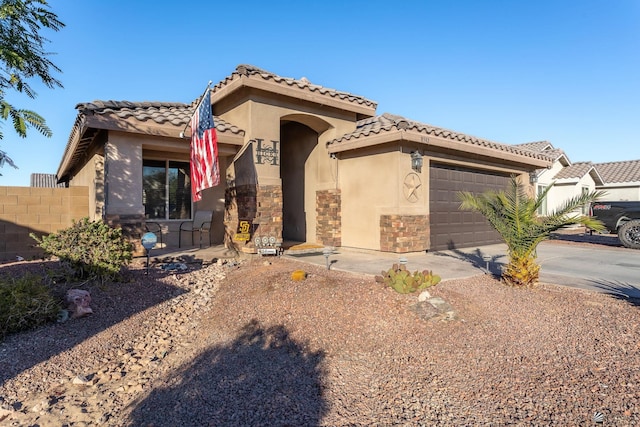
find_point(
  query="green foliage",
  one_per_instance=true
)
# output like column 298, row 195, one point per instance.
column 404, row 282
column 25, row 303
column 91, row 248
column 22, row 53
column 513, row 213
column 23, row 57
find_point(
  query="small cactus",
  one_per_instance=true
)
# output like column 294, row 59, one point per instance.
column 400, row 279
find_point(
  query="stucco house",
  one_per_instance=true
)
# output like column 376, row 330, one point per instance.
column 621, row 180
column 566, row 178
column 299, row 163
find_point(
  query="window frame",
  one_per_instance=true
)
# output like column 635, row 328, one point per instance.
column 166, row 188
column 585, row 208
column 543, row 210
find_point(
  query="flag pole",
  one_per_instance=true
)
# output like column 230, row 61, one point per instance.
column 196, row 109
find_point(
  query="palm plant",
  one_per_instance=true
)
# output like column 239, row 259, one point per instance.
column 513, row 213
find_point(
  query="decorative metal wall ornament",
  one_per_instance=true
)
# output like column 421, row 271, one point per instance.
column 267, row 155
column 411, row 187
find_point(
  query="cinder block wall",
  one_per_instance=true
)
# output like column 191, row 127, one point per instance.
column 25, row 210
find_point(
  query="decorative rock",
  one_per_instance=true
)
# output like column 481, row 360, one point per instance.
column 424, row 295
column 79, row 301
column 298, row 275
column 80, row 380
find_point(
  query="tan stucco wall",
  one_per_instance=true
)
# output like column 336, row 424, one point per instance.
column 373, row 185
column 123, row 174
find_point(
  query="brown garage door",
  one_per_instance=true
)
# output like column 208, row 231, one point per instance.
column 450, row 227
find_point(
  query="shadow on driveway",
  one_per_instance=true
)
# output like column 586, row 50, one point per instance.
column 489, row 263
column 617, row 289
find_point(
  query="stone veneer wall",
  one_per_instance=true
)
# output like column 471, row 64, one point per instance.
column 404, row 233
column 240, row 203
column 262, row 205
column 25, row 210
column 329, row 217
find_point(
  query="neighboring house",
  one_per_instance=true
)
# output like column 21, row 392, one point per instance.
column 621, row 180
column 568, row 179
column 45, row 180
column 299, row 162
column 572, row 181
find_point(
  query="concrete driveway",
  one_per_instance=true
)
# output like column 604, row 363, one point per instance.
column 597, row 263
column 606, row 268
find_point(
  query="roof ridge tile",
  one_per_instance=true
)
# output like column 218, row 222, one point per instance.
column 303, row 83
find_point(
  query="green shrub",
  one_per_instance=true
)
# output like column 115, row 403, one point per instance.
column 25, row 303
column 91, row 248
column 400, row 279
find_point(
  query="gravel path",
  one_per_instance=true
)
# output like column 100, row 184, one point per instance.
column 237, row 345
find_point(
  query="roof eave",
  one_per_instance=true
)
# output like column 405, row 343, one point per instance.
column 277, row 88
column 620, row 184
column 595, row 175
column 79, row 128
column 428, row 140
column 104, row 122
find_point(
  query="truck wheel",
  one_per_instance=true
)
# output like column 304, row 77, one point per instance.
column 629, row 234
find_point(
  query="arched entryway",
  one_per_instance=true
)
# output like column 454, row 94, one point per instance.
column 297, row 143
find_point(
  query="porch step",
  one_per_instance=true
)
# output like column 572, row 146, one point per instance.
column 303, row 248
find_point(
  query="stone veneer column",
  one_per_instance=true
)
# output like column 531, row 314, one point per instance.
column 404, row 233
column 261, row 205
column 329, row 217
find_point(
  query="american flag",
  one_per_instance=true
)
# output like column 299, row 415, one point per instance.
column 205, row 171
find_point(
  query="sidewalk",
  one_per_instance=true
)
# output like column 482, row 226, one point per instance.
column 452, row 264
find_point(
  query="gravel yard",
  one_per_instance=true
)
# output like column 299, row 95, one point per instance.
column 229, row 344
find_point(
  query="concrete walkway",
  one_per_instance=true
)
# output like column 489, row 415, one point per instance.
column 607, row 269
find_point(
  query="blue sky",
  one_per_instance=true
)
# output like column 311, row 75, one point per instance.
column 510, row 71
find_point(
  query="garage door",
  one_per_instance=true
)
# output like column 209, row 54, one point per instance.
column 450, row 227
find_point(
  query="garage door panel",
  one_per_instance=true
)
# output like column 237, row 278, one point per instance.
column 450, row 227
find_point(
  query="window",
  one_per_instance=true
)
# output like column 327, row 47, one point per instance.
column 166, row 189
column 542, row 210
column 585, row 207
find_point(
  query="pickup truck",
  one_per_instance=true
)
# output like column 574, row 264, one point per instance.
column 621, row 218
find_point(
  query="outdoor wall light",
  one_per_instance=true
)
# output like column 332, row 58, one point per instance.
column 533, row 177
column 416, row 161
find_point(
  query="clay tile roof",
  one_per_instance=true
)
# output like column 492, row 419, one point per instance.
column 390, row 122
column 175, row 113
column 576, row 170
column 536, row 146
column 302, row 83
column 543, row 147
column 614, row 172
